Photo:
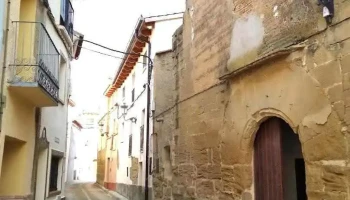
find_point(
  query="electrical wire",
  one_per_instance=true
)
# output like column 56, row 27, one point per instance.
column 164, row 15
column 118, row 51
column 105, row 54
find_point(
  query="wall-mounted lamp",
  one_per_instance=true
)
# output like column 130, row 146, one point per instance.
column 124, row 107
column 101, row 128
column 133, row 120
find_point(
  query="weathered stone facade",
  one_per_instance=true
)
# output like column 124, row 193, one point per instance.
column 234, row 65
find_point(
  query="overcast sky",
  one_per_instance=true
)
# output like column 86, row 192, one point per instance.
column 110, row 23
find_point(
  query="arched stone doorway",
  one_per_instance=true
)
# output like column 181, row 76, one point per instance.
column 279, row 169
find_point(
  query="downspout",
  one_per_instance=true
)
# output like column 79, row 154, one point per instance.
column 36, row 151
column 2, row 102
column 47, row 169
column 150, row 67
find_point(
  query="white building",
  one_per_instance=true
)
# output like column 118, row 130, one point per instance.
column 128, row 91
column 74, row 128
column 85, row 147
column 54, row 120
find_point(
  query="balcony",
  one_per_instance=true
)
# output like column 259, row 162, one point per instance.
column 35, row 65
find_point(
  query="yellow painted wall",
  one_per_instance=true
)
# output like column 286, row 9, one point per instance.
column 19, row 123
column 12, row 171
column 26, row 38
column 18, row 120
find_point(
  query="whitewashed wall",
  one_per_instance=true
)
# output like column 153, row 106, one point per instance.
column 161, row 40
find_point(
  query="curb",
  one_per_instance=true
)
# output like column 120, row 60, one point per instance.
column 112, row 193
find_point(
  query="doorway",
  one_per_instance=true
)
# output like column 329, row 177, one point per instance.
column 279, row 169
column 55, row 160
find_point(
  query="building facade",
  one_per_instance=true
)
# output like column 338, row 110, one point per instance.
column 86, row 145
column 126, row 120
column 74, row 129
column 40, row 45
column 257, row 107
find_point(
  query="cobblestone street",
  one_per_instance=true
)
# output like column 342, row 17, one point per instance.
column 87, row 191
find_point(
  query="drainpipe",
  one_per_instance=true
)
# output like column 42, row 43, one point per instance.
column 36, row 151
column 47, row 169
column 150, row 67
column 2, row 101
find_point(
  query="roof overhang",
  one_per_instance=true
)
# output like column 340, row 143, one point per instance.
column 135, row 46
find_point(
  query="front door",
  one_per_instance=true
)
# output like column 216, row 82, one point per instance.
column 268, row 169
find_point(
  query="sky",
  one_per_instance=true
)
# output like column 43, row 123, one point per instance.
column 110, row 23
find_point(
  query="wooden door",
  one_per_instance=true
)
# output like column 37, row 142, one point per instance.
column 268, row 161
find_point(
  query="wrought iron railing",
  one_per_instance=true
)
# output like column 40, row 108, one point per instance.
column 36, row 58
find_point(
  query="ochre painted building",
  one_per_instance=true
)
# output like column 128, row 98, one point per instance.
column 256, row 104
column 37, row 49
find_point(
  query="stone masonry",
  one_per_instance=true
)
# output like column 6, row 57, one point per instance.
column 235, row 64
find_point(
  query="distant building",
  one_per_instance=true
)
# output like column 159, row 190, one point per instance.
column 72, row 168
column 86, row 141
column 123, row 136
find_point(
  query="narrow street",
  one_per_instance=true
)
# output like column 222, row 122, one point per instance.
column 87, row 191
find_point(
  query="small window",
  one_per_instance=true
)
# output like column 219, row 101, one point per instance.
column 123, row 93
column 62, row 79
column 150, row 166
column 130, row 145
column 133, row 88
column 112, row 142
column 142, row 137
column 127, row 171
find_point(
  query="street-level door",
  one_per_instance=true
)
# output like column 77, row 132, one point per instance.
column 279, row 169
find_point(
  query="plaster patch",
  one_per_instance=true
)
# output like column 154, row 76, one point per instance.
column 275, row 11
column 247, row 36
column 319, row 118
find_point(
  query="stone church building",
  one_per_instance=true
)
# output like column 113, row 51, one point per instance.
column 253, row 102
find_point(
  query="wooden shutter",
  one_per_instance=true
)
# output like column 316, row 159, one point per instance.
column 268, row 161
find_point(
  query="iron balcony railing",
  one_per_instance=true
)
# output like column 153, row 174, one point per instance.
column 36, row 58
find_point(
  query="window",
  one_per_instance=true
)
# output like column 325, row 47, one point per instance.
column 142, row 131
column 55, row 173
column 150, row 166
column 67, row 16
column 127, row 171
column 62, row 79
column 123, row 93
column 142, row 137
column 130, row 145
column 145, row 59
column 112, row 142
column 133, row 88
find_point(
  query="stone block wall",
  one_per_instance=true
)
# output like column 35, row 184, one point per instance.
column 134, row 192
column 210, row 129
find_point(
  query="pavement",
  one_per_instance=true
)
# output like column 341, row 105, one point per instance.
column 89, row 191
